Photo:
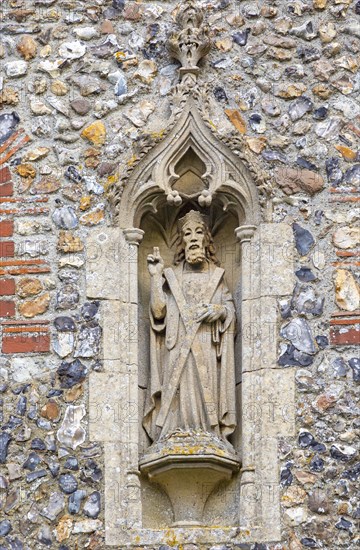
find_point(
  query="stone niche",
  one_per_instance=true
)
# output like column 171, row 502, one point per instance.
column 232, row 489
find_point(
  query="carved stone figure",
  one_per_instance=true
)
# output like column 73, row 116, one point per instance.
column 192, row 317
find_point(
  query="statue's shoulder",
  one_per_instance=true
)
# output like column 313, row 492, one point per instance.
column 174, row 269
column 216, row 269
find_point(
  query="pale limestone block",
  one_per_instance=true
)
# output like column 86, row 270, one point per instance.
column 268, row 479
column 259, row 333
column 132, row 265
column 112, row 318
column 115, row 366
column 114, row 493
column 249, row 319
column 104, row 251
column 25, row 369
column 110, row 410
column 268, row 329
column 132, row 335
column 279, row 399
column 249, row 506
column 251, row 267
column 120, row 329
column 276, row 257
column 250, row 418
column 267, row 261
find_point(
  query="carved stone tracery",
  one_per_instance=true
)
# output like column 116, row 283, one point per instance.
column 189, row 45
column 192, row 43
column 231, row 187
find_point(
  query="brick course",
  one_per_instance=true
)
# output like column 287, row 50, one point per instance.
column 7, row 308
column 6, row 189
column 7, row 287
column 25, row 343
column 6, row 228
column 7, row 249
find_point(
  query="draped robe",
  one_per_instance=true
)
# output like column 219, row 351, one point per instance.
column 203, row 396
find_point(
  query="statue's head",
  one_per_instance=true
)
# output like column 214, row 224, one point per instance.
column 195, row 243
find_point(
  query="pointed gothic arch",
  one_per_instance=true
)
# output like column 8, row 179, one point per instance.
column 227, row 178
column 229, row 182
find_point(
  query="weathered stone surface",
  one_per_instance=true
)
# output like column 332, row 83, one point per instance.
column 299, row 333
column 47, row 184
column 5, row 439
column 39, row 305
column 67, row 483
column 86, row 526
column 304, row 241
column 72, row 50
column 146, row 71
column 88, row 343
column 95, row 133
column 27, row 47
column 81, row 106
column 346, row 237
column 67, row 297
column 28, row 287
column 65, row 217
column 237, row 120
column 138, row 115
column 69, row 242
column 293, row 180
column 64, row 324
column 75, row 500
column 59, row 88
column 71, row 433
column 63, row 343
column 347, row 292
column 50, row 410
column 288, row 74
column 5, row 527
column 29, row 368
column 94, row 217
column 72, row 373
column 54, row 507
column 92, row 505
column 8, row 123
column 15, row 69
column 295, row 516
column 104, row 250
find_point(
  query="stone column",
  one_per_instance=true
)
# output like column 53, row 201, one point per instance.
column 112, row 277
column 133, row 237
column 244, row 235
column 267, row 389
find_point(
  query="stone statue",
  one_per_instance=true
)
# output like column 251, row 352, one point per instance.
column 192, row 317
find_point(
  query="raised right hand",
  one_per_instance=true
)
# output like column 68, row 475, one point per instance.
column 155, row 263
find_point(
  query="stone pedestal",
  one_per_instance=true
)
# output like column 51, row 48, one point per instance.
column 188, row 467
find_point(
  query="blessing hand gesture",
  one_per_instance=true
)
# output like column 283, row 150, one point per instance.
column 155, row 263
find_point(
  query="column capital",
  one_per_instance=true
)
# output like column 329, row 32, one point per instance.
column 244, row 233
column 133, row 235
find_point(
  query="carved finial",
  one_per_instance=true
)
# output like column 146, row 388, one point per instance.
column 191, row 43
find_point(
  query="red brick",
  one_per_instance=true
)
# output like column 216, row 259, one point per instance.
column 344, row 337
column 7, row 249
column 7, row 308
column 6, row 228
column 5, row 174
column 7, row 287
column 25, row 343
column 6, row 189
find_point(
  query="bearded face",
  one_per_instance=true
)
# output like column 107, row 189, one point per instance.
column 194, row 242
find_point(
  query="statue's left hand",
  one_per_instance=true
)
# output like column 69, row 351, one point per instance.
column 211, row 312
